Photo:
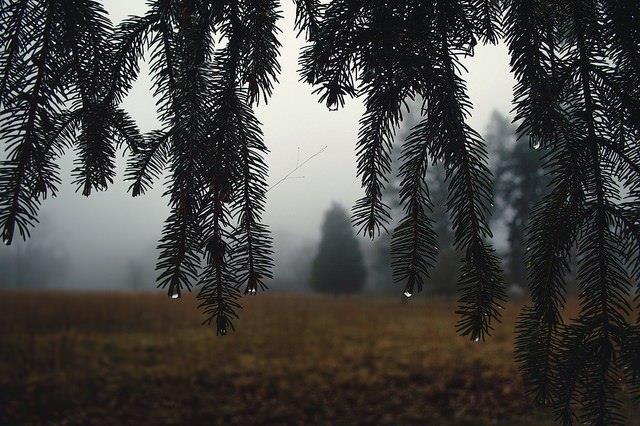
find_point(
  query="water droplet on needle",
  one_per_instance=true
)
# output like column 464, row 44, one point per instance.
column 175, row 293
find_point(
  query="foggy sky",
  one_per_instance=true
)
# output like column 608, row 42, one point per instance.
column 110, row 227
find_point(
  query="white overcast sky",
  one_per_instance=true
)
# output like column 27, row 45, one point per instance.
column 108, row 227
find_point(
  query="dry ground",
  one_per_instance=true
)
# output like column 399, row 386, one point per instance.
column 118, row 358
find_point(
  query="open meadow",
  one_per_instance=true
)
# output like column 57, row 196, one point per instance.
column 138, row 358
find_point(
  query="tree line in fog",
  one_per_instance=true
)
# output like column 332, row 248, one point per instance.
column 340, row 263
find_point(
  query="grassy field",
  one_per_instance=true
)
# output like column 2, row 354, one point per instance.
column 118, row 358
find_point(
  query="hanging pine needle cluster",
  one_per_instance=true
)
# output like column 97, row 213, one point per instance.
column 55, row 94
column 65, row 71
column 389, row 52
column 577, row 98
column 578, row 67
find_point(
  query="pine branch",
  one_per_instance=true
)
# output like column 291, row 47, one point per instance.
column 147, row 162
column 219, row 284
column 329, row 60
column 262, row 45
column 19, row 200
column 130, row 41
column 219, row 289
column 14, row 41
column 463, row 153
column 550, row 238
column 308, row 15
column 179, row 259
column 530, row 31
column 382, row 116
column 587, row 132
column 379, row 42
column 572, row 360
column 602, row 278
column 487, row 14
column 125, row 131
column 164, row 62
column 253, row 244
column 414, row 243
column 88, row 35
column 622, row 29
column 237, row 245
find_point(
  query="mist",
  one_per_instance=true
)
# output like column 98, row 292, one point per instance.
column 109, row 239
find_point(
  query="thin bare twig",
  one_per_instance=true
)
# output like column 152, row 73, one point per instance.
column 298, row 167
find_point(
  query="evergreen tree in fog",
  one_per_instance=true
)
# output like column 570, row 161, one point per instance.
column 338, row 267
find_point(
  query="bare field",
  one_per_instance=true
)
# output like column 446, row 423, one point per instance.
column 125, row 358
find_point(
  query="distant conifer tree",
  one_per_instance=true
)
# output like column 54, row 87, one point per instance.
column 338, row 268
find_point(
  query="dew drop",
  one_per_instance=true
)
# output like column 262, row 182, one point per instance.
column 535, row 144
column 476, row 340
column 407, row 293
column 252, row 291
column 175, row 293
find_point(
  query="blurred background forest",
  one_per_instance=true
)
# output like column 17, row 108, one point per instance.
column 44, row 262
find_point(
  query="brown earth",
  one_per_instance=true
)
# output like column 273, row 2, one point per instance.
column 124, row 358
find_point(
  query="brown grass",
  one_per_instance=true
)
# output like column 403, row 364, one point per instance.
column 117, row 358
